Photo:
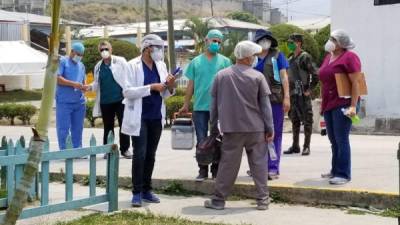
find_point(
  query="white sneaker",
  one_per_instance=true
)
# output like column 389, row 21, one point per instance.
column 338, row 181
column 327, row 175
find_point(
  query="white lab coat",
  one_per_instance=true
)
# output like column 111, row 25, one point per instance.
column 120, row 70
column 135, row 91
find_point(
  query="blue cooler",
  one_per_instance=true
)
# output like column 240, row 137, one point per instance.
column 182, row 137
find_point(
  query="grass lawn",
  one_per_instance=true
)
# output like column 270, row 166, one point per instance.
column 20, row 96
column 134, row 218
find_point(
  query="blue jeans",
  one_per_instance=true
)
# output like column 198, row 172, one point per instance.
column 144, row 157
column 69, row 120
column 201, row 121
column 338, row 127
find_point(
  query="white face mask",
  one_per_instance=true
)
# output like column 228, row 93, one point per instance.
column 77, row 58
column 157, row 54
column 330, row 46
column 265, row 44
column 255, row 62
column 105, row 54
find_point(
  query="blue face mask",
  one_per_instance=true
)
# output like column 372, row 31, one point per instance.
column 77, row 59
column 214, row 47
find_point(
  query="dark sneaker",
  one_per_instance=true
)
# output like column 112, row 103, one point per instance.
column 306, row 151
column 211, row 205
column 292, row 150
column 249, row 173
column 126, row 155
column 273, row 176
column 201, row 177
column 137, row 200
column 150, row 197
column 105, row 156
column 262, row 205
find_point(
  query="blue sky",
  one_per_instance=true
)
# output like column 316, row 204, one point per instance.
column 304, row 9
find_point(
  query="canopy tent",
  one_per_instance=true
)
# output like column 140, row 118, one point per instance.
column 18, row 63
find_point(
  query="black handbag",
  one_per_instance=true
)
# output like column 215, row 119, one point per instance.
column 209, row 150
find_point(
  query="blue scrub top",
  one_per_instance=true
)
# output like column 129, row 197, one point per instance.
column 151, row 105
column 282, row 63
column 72, row 71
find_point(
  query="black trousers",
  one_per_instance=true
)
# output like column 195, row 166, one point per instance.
column 145, row 147
column 108, row 113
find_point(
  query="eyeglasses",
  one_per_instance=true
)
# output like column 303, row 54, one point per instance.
column 216, row 41
column 332, row 39
column 104, row 49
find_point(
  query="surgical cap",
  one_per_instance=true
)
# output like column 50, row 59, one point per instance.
column 151, row 39
column 214, row 33
column 343, row 39
column 246, row 49
column 78, row 47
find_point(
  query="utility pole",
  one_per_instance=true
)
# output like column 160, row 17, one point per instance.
column 287, row 9
column 171, row 39
column 212, row 8
column 147, row 14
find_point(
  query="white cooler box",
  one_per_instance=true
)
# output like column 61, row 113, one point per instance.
column 182, row 137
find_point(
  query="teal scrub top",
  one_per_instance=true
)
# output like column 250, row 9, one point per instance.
column 202, row 72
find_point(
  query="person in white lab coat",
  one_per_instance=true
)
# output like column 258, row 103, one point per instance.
column 148, row 84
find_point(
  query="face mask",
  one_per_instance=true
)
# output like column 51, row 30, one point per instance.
column 265, row 44
column 292, row 47
column 330, row 46
column 157, row 54
column 214, row 47
column 255, row 62
column 105, row 54
column 77, row 58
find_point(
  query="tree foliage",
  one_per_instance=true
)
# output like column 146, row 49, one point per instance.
column 282, row 31
column 119, row 48
column 321, row 38
column 243, row 16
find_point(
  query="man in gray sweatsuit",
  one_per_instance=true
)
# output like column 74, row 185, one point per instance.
column 240, row 102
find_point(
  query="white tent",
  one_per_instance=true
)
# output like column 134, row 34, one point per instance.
column 19, row 63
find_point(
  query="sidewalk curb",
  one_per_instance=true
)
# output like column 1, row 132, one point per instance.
column 283, row 193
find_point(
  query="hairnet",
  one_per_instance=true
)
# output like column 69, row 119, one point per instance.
column 214, row 33
column 151, row 39
column 246, row 49
column 78, row 48
column 343, row 39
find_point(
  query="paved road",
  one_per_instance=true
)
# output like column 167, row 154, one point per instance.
column 374, row 162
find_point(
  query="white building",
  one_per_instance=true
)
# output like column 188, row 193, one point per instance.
column 375, row 30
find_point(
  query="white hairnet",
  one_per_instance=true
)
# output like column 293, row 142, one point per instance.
column 343, row 39
column 246, row 49
column 151, row 39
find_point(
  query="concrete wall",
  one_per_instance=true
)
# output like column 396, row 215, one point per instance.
column 377, row 36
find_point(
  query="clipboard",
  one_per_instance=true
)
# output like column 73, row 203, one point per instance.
column 343, row 85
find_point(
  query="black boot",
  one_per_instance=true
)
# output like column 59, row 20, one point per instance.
column 292, row 150
column 307, row 139
column 306, row 151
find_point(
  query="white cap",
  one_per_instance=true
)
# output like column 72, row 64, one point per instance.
column 151, row 39
column 246, row 49
column 343, row 39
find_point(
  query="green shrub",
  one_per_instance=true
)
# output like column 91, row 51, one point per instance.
column 10, row 112
column 119, row 48
column 173, row 104
column 243, row 16
column 180, row 92
column 25, row 113
column 321, row 38
column 89, row 113
column 282, row 31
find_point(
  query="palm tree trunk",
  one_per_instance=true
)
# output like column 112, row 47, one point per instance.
column 40, row 132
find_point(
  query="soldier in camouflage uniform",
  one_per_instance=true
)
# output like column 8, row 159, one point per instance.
column 303, row 78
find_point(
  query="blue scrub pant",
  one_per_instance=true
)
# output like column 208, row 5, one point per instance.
column 69, row 120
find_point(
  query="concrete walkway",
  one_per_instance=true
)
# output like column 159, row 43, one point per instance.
column 374, row 162
column 236, row 212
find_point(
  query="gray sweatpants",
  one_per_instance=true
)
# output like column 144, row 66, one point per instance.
column 229, row 165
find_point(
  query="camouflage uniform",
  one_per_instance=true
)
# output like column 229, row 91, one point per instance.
column 302, row 77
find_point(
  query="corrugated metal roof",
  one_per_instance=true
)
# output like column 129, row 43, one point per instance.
column 8, row 16
column 162, row 26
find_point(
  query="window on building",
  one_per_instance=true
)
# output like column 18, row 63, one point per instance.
column 386, row 2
